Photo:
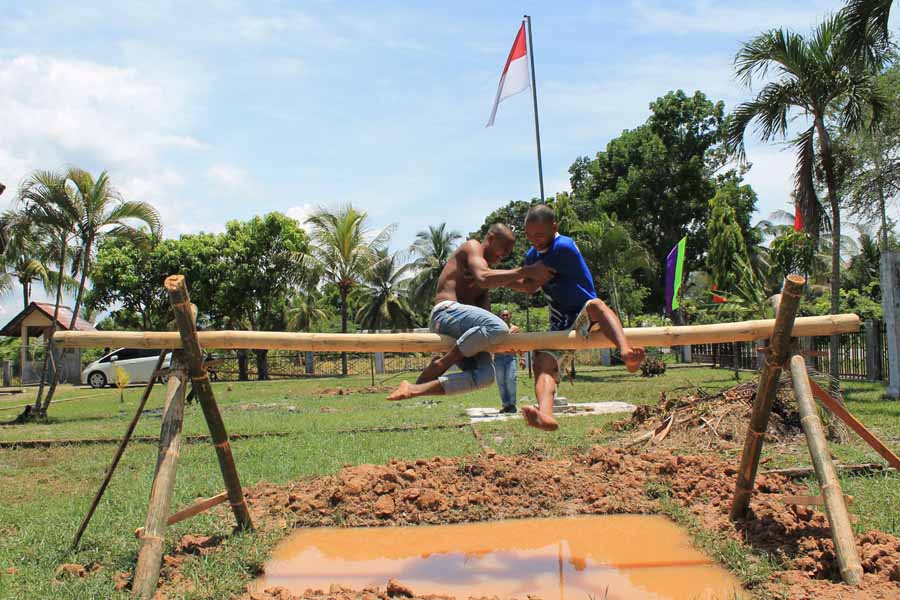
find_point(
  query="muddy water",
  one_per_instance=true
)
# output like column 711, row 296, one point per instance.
column 617, row 556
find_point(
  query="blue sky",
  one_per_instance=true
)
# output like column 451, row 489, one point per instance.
column 221, row 109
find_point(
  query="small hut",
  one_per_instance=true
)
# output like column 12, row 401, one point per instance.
column 35, row 321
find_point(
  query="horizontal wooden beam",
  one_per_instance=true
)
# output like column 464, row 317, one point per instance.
column 647, row 337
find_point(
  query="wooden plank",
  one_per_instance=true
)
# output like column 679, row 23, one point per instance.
column 431, row 342
column 188, row 512
column 765, row 393
column 809, row 500
column 844, row 415
column 841, row 529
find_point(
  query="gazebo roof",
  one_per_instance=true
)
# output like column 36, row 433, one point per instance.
column 14, row 327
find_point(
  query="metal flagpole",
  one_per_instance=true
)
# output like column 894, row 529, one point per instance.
column 537, row 127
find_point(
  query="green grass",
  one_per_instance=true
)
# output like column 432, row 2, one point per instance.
column 44, row 492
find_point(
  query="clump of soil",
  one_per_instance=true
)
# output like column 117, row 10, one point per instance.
column 712, row 421
column 603, row 481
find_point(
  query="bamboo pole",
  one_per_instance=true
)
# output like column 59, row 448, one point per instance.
column 835, row 508
column 646, row 337
column 188, row 512
column 146, row 573
column 844, row 415
column 181, row 304
column 120, row 451
column 779, row 345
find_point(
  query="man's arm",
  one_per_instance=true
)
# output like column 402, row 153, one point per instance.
column 488, row 278
column 528, row 286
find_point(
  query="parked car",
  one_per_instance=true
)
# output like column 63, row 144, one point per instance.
column 137, row 362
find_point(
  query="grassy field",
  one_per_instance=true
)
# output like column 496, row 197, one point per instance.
column 44, row 492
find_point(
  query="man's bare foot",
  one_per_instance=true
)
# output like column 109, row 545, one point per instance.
column 403, row 391
column 633, row 359
column 539, row 420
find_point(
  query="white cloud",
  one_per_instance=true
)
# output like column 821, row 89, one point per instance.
column 228, row 177
column 301, row 213
column 715, row 16
column 130, row 122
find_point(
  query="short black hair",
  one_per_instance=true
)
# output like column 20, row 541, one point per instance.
column 540, row 213
column 501, row 230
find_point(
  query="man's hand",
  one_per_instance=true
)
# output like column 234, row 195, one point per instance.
column 538, row 272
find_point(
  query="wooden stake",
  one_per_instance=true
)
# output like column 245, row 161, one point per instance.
column 194, row 509
column 181, row 302
column 432, row 342
column 146, row 573
column 779, row 346
column 121, row 450
column 841, row 529
column 844, row 415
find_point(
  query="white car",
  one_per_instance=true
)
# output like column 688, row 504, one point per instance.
column 137, row 362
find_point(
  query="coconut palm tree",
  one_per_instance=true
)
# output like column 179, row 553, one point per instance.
column 304, row 311
column 813, row 77
column 345, row 250
column 382, row 295
column 433, row 248
column 103, row 213
column 50, row 205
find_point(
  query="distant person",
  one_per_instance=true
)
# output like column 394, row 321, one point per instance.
column 573, row 305
column 462, row 311
column 505, row 368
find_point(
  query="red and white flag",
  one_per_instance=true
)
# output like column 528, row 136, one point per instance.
column 515, row 73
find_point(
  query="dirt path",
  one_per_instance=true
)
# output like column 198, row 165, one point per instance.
column 604, row 481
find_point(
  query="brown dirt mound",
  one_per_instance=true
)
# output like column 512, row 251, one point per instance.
column 604, row 481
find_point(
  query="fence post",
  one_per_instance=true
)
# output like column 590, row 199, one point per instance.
column 686, row 353
column 605, row 357
column 890, row 304
column 379, row 363
column 873, row 350
column 7, row 373
column 310, row 363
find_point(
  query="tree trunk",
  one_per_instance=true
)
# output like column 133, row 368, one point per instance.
column 25, row 295
column 262, row 364
column 837, row 429
column 243, row 375
column 343, row 329
column 40, row 407
column 78, row 298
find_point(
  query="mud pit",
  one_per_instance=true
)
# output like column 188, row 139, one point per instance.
column 572, row 557
column 603, row 481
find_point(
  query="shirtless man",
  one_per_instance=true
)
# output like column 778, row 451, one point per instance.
column 573, row 305
column 462, row 311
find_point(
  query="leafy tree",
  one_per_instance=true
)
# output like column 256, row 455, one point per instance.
column 382, row 295
column 726, row 244
column 25, row 256
column 345, row 251
column 613, row 255
column 433, row 248
column 867, row 31
column 792, row 252
column 658, row 179
column 264, row 258
column 813, row 76
column 50, row 206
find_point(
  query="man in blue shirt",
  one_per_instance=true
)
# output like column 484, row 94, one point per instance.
column 573, row 305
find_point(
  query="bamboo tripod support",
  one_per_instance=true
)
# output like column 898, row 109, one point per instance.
column 146, row 573
column 835, row 506
column 193, row 356
column 778, row 352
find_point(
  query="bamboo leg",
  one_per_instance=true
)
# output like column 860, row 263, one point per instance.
column 146, row 574
column 765, row 393
column 835, row 508
column 119, row 452
column 181, row 303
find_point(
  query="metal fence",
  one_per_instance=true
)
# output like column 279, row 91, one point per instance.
column 863, row 355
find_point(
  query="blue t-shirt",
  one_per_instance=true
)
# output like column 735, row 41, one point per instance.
column 571, row 287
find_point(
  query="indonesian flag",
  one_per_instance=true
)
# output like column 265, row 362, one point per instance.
column 515, row 73
column 798, row 219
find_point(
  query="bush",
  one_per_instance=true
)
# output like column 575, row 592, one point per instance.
column 652, row 366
